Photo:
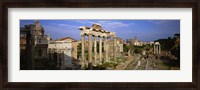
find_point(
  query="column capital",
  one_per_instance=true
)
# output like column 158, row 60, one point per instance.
column 95, row 35
column 89, row 34
column 82, row 35
column 105, row 36
column 100, row 36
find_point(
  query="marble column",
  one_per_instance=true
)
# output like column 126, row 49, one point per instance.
column 82, row 51
column 95, row 50
column 90, row 51
column 108, row 52
column 154, row 49
column 105, row 49
column 115, row 49
column 100, row 50
column 159, row 49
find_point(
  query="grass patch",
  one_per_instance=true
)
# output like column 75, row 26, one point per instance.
column 161, row 65
column 105, row 65
column 130, row 65
column 140, row 68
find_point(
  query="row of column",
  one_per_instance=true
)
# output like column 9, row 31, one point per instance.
column 156, row 48
column 106, row 45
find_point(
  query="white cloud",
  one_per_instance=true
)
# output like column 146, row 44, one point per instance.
column 67, row 25
column 106, row 23
column 61, row 30
column 62, row 25
column 131, row 23
column 84, row 21
column 113, row 24
column 158, row 22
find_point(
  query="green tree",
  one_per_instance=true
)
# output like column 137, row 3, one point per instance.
column 125, row 48
column 138, row 49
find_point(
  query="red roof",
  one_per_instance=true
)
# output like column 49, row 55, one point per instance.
column 65, row 38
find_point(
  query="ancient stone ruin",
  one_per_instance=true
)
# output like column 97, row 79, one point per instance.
column 96, row 31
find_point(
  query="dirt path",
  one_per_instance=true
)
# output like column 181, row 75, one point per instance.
column 123, row 65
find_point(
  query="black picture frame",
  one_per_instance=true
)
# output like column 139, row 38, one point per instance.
column 194, row 4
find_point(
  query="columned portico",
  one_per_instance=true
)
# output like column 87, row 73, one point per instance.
column 157, row 48
column 94, row 32
column 114, row 49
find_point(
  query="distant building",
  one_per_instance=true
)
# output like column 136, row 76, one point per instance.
column 64, row 51
column 135, row 42
column 150, row 43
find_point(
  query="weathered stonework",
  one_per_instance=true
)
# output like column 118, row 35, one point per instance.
column 96, row 31
column 157, row 48
column 33, row 40
column 65, row 50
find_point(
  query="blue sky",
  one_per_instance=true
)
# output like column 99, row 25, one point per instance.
column 144, row 30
